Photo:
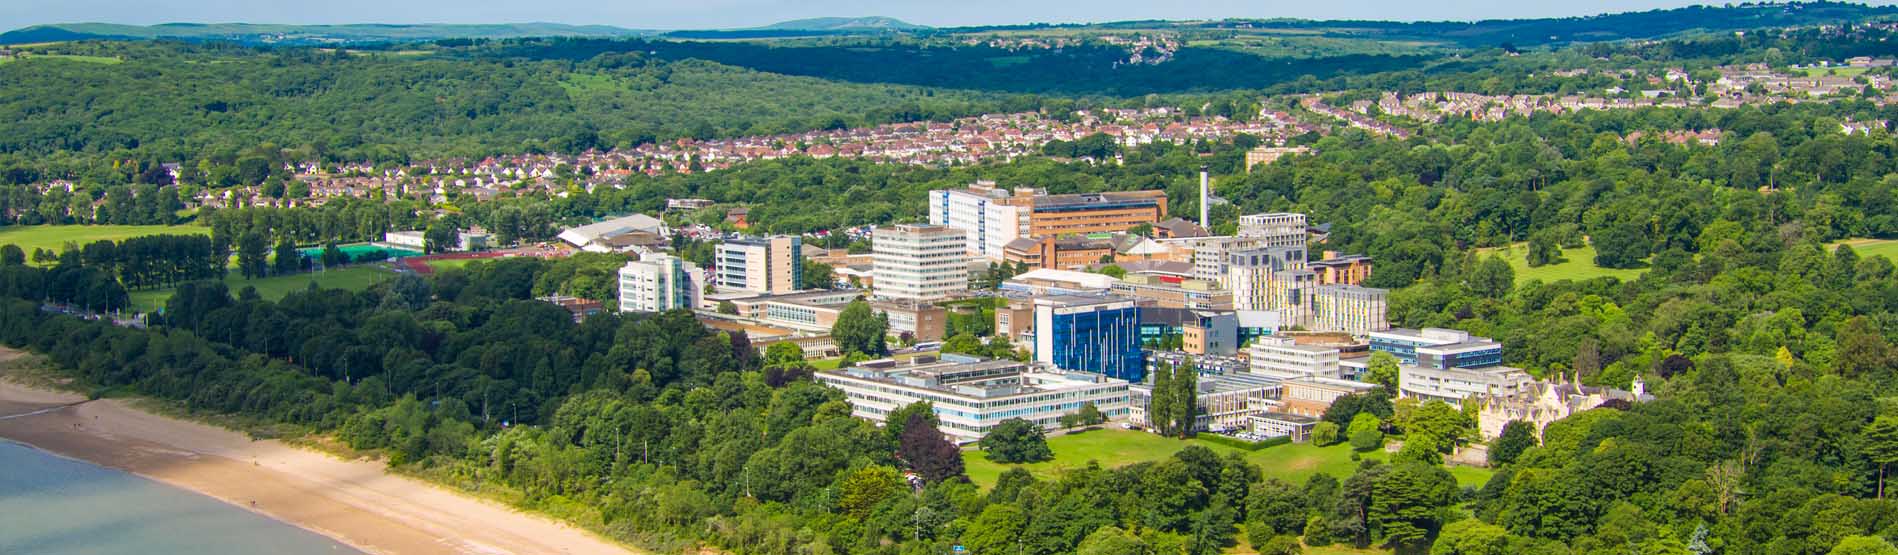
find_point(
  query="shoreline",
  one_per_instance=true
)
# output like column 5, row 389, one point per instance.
column 359, row 503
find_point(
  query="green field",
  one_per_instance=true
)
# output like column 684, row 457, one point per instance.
column 1840, row 71
column 55, row 237
column 1577, row 264
column 1887, row 248
column 354, row 278
column 1115, row 447
column 74, row 57
column 452, row 263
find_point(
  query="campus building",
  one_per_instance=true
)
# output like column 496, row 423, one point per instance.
column 1222, row 401
column 1438, row 348
column 1161, row 292
column 773, row 265
column 1283, row 358
column 1062, row 254
column 919, row 262
column 656, row 283
column 971, row 395
column 1090, row 334
column 989, row 217
column 1356, row 310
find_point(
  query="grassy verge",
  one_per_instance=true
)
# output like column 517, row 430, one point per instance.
column 1887, row 248
column 354, row 278
column 1577, row 264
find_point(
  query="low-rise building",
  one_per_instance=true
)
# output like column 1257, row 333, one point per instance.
column 1223, row 402
column 1283, row 358
column 1162, row 292
column 1437, row 347
column 1453, row 385
column 1283, row 424
column 972, row 395
column 1062, row 253
column 1312, row 396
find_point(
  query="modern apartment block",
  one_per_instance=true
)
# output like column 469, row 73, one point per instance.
column 971, row 395
column 771, row 265
column 1267, row 277
column 1342, row 269
column 1275, row 229
column 919, row 262
column 657, row 283
column 1090, row 334
column 1349, row 308
column 989, row 216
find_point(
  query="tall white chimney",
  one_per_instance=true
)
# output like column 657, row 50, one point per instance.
column 1205, row 199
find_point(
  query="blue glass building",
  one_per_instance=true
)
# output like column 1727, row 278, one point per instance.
column 1090, row 334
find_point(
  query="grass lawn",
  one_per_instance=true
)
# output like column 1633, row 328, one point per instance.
column 1887, row 248
column 55, row 237
column 1577, row 264
column 353, row 278
column 1115, row 447
column 452, row 263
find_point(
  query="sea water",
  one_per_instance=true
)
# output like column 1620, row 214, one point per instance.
column 51, row 505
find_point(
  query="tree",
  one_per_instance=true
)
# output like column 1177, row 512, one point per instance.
column 865, row 488
column 333, row 256
column 1543, row 250
column 1407, row 503
column 898, row 420
column 12, row 255
column 286, row 259
column 440, row 237
column 997, row 529
column 1863, row 545
column 1324, row 433
column 1364, row 432
column 783, row 353
column 1471, row 537
column 1492, row 277
column 253, row 254
column 1113, row 271
column 1621, row 245
column 1279, row 545
column 816, row 275
column 860, row 330
column 1382, row 369
column 1881, row 444
column 1016, row 441
column 927, row 452
column 1111, row 540
column 1862, row 349
column 1517, row 436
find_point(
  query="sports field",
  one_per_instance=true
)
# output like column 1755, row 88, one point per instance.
column 1113, row 447
column 354, row 278
column 55, row 237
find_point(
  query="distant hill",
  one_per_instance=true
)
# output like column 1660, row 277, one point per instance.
column 844, row 24
column 308, row 34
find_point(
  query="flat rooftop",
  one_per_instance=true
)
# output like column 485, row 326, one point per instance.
column 971, row 378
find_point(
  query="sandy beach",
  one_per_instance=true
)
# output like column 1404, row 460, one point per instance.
column 358, row 503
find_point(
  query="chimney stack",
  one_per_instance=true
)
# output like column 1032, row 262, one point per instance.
column 1205, row 198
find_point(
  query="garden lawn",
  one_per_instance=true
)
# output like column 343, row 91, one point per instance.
column 1113, row 447
column 353, row 278
column 1577, row 264
column 1887, row 248
column 55, row 237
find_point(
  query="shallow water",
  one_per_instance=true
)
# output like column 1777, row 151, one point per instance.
column 56, row 506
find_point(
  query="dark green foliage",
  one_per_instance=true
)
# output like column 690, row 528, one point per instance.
column 1517, row 436
column 1016, row 441
column 861, row 330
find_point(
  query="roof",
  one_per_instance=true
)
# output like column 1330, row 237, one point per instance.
column 1161, row 267
column 1084, row 279
column 1177, row 228
column 608, row 228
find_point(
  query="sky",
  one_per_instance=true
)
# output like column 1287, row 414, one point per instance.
column 723, row 14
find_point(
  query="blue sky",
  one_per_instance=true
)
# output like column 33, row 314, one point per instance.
column 703, row 14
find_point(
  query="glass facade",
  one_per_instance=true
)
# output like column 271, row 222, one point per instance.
column 1103, row 341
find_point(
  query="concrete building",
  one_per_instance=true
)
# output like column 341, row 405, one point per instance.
column 1438, row 348
column 1210, row 333
column 1058, row 282
column 1283, row 358
column 1015, row 321
column 919, row 262
column 656, row 283
column 1090, row 334
column 1258, row 278
column 1212, row 256
column 815, row 312
column 1275, row 229
column 1453, row 385
column 983, row 213
column 1312, row 396
column 1160, row 292
column 1269, row 154
column 972, row 395
column 1060, row 254
column 772, row 265
column 1349, row 308
column 1223, row 402
column 1283, row 424
column 989, row 216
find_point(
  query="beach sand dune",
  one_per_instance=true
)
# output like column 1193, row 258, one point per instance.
column 357, row 502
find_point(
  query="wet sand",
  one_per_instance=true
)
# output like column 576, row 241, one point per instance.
column 356, row 502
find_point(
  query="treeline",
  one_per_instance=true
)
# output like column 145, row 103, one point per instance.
column 153, row 202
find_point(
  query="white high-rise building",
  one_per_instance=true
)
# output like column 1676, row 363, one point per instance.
column 919, row 262
column 1275, row 229
column 980, row 213
column 771, row 265
column 657, row 283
